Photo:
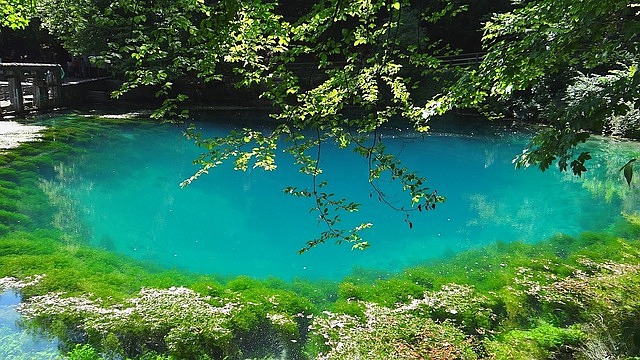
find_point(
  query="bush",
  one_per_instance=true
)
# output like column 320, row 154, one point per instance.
column 388, row 333
column 542, row 342
column 83, row 352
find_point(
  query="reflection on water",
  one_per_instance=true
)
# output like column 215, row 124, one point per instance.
column 15, row 343
column 127, row 191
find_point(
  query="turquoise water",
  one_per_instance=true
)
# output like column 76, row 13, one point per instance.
column 126, row 191
column 15, row 342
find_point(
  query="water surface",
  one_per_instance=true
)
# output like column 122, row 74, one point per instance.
column 126, row 190
column 15, row 342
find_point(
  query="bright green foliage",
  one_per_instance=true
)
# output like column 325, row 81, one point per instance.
column 541, row 342
column 15, row 14
column 87, row 352
column 83, row 352
column 570, row 64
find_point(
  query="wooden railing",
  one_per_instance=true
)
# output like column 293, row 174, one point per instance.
column 468, row 59
column 29, row 86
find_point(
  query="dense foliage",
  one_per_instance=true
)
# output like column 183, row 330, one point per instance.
column 570, row 64
column 15, row 14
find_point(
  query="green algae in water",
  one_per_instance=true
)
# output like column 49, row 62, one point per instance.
column 235, row 223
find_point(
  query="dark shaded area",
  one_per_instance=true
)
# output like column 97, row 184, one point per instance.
column 463, row 31
column 32, row 44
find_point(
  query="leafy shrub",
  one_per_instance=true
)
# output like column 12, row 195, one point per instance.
column 542, row 342
column 83, row 352
column 177, row 320
column 388, row 333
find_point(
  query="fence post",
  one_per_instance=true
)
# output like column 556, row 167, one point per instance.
column 54, row 82
column 40, row 93
column 15, row 91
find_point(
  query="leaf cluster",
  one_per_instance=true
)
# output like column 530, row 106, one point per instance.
column 569, row 64
column 15, row 14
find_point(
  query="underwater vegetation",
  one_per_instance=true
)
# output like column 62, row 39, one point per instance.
column 566, row 297
column 561, row 298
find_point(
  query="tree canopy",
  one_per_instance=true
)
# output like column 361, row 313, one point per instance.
column 15, row 14
column 338, row 71
column 569, row 64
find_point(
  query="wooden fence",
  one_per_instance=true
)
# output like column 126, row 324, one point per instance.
column 26, row 86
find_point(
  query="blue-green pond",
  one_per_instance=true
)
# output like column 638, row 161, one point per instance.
column 125, row 192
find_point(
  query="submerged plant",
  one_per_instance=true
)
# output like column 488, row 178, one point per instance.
column 389, row 333
column 540, row 307
column 544, row 341
column 177, row 320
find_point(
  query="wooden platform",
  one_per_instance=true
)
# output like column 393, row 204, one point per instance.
column 28, row 86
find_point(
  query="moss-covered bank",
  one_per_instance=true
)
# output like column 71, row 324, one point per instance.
column 563, row 298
